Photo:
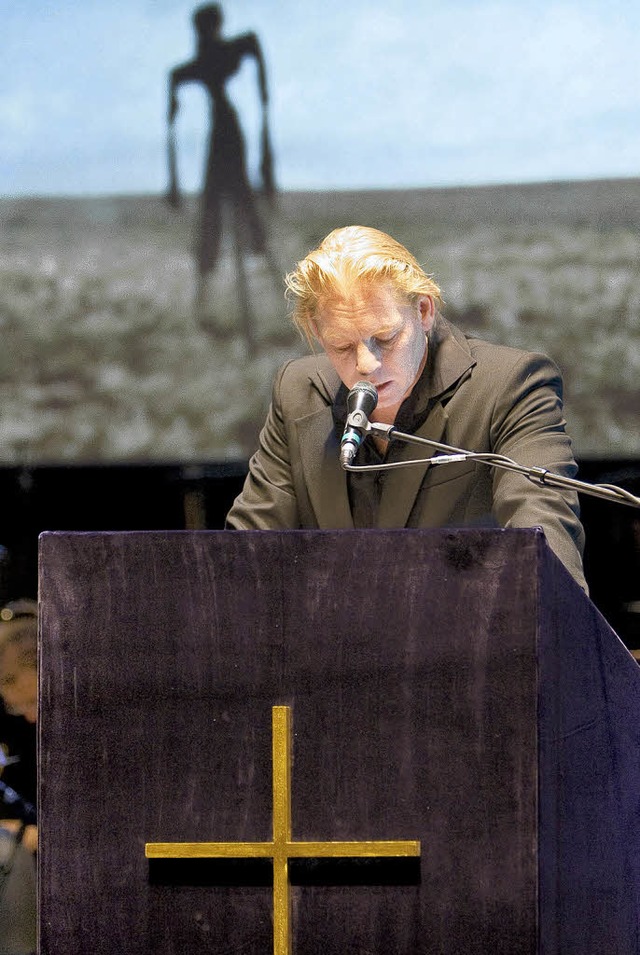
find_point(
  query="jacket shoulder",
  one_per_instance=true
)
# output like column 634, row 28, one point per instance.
column 307, row 378
column 504, row 362
column 507, row 355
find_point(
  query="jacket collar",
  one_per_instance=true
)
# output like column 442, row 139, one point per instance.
column 320, row 449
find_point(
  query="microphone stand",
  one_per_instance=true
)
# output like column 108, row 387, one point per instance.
column 538, row 475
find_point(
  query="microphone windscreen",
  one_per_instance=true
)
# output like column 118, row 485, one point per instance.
column 362, row 397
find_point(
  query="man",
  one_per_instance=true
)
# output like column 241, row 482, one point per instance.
column 375, row 312
column 226, row 185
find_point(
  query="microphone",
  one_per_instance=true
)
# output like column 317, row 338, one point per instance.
column 361, row 401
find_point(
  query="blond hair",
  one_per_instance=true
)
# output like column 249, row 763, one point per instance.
column 350, row 258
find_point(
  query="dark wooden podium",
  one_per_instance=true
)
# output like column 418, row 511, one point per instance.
column 454, row 689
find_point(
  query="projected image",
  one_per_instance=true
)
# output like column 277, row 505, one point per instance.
column 165, row 169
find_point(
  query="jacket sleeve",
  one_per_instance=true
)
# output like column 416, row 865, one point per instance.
column 267, row 500
column 528, row 426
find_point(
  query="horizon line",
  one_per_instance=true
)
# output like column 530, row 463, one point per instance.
column 355, row 190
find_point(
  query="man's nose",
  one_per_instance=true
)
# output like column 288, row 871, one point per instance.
column 366, row 361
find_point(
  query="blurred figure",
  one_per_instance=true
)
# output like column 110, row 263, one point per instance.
column 18, row 658
column 18, row 831
column 226, row 185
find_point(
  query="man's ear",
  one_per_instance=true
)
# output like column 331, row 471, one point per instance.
column 427, row 309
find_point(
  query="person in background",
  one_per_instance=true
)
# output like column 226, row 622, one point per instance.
column 18, row 829
column 18, row 659
column 226, row 182
column 376, row 315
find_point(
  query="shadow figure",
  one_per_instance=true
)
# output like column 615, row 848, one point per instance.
column 228, row 199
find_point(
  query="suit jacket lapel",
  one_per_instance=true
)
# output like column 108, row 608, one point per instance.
column 325, row 479
column 453, row 362
column 401, row 485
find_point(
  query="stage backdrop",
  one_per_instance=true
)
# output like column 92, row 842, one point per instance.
column 124, row 339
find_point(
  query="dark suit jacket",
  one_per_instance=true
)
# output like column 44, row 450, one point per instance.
column 485, row 398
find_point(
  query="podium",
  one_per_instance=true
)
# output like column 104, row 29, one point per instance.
column 450, row 690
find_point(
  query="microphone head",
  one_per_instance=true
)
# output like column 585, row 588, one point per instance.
column 362, row 397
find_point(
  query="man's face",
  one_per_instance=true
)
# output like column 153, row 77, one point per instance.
column 375, row 335
column 18, row 684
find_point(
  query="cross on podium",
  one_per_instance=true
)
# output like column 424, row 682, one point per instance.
column 282, row 847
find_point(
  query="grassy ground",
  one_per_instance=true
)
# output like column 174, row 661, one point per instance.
column 104, row 360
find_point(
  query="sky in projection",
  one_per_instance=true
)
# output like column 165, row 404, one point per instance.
column 363, row 94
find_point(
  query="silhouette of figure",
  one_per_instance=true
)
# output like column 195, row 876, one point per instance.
column 226, row 183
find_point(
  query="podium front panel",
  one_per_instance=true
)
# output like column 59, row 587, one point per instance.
column 409, row 661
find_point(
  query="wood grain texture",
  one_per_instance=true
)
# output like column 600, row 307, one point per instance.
column 412, row 661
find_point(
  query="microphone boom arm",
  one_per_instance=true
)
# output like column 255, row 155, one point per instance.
column 538, row 475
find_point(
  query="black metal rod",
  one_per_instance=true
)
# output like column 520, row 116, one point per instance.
column 537, row 475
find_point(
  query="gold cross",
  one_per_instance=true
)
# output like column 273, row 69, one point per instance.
column 282, row 847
